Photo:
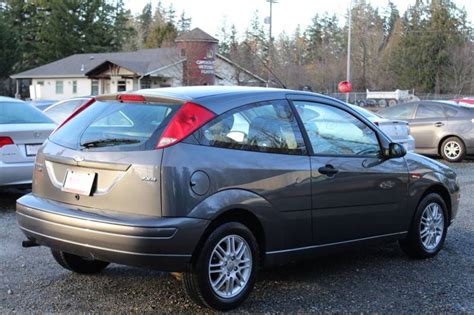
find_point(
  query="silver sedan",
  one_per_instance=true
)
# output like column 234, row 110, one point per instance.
column 398, row 130
column 23, row 129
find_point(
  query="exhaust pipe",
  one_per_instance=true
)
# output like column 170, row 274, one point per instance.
column 29, row 243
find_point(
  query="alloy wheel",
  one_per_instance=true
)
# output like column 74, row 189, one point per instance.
column 452, row 149
column 431, row 226
column 230, row 266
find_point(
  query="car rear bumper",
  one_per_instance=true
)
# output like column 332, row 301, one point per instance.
column 16, row 173
column 163, row 243
column 408, row 143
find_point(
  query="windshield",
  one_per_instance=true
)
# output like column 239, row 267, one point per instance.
column 116, row 126
column 21, row 113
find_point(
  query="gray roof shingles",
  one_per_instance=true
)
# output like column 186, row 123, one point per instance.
column 140, row 62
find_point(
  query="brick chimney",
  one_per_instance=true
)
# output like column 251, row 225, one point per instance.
column 199, row 49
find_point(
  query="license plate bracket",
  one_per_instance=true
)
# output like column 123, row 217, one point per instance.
column 78, row 182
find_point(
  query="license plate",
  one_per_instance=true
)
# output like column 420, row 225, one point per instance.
column 32, row 149
column 78, row 182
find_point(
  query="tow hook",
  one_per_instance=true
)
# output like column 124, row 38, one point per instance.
column 29, row 243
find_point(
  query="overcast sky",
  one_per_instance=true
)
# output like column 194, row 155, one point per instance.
column 287, row 14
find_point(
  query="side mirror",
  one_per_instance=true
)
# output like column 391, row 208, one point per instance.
column 395, row 150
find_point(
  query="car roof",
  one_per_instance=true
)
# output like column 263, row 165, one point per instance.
column 10, row 99
column 222, row 98
column 195, row 92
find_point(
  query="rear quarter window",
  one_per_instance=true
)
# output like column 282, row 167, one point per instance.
column 263, row 127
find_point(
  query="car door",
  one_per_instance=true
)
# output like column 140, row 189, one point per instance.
column 256, row 148
column 428, row 125
column 355, row 193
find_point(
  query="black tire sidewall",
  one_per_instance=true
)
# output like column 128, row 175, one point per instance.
column 201, row 267
column 78, row 264
column 415, row 229
column 461, row 145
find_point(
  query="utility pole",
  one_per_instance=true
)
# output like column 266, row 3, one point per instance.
column 269, row 21
column 348, row 75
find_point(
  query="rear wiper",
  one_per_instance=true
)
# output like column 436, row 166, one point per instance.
column 107, row 142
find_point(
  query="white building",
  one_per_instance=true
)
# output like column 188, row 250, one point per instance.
column 193, row 61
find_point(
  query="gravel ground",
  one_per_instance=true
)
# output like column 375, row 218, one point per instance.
column 370, row 279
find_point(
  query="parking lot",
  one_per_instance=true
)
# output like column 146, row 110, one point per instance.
column 369, row 279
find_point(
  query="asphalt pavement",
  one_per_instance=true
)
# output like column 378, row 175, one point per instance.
column 377, row 279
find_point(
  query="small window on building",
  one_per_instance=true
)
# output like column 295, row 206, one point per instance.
column 121, row 86
column 59, row 87
column 145, row 84
column 95, row 87
column 40, row 83
column 74, row 87
column 183, row 52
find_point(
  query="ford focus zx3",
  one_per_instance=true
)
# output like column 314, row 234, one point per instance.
column 216, row 182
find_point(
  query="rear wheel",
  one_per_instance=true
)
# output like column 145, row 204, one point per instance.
column 428, row 230
column 225, row 271
column 77, row 263
column 453, row 149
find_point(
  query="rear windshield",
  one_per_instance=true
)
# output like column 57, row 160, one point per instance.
column 21, row 113
column 115, row 126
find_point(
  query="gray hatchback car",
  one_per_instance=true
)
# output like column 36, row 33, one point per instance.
column 216, row 182
column 439, row 127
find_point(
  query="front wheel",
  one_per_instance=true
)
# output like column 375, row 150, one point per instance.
column 225, row 271
column 428, row 229
column 78, row 264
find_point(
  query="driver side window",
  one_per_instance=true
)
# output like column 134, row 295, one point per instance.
column 333, row 131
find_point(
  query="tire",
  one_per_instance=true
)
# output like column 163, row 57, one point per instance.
column 197, row 279
column 453, row 149
column 78, row 264
column 392, row 102
column 382, row 103
column 432, row 207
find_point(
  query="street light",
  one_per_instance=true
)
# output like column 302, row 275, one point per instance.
column 269, row 21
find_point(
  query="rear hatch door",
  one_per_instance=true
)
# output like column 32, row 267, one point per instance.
column 105, row 159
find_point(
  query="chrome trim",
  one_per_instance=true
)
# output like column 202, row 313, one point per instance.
column 332, row 244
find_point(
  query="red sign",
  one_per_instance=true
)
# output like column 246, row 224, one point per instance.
column 344, row 87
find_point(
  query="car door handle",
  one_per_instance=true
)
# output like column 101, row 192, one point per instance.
column 439, row 124
column 328, row 170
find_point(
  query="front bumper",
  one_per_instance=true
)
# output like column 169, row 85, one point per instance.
column 163, row 243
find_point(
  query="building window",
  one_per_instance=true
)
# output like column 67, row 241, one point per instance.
column 95, row 87
column 74, row 87
column 59, row 87
column 145, row 83
column 121, row 86
column 40, row 83
column 183, row 52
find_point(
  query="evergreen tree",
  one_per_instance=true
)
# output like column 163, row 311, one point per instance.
column 184, row 23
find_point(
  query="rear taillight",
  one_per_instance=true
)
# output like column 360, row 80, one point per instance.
column 188, row 118
column 5, row 141
column 74, row 113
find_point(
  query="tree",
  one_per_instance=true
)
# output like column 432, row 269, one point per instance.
column 184, row 23
column 162, row 30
